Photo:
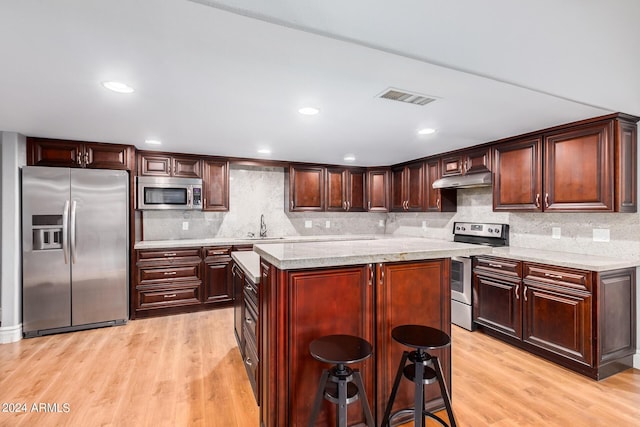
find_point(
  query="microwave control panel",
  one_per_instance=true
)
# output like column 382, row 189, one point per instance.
column 197, row 196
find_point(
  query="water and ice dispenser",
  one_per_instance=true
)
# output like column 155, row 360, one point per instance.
column 47, row 232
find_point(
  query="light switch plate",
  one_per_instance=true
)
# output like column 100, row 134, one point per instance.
column 424, row 225
column 185, row 225
column 308, row 223
column 381, row 223
column 555, row 232
column 327, row 224
column 601, row 235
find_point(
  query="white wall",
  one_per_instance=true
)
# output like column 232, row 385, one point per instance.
column 13, row 157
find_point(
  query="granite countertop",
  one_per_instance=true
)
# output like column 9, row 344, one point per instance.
column 565, row 259
column 293, row 256
column 230, row 241
column 249, row 262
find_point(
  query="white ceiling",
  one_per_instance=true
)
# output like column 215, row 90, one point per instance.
column 227, row 77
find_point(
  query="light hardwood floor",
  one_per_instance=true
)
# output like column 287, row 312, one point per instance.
column 185, row 370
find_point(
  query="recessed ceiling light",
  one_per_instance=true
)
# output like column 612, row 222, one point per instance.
column 152, row 142
column 309, row 111
column 426, row 131
column 118, row 87
column 264, row 151
column 349, row 158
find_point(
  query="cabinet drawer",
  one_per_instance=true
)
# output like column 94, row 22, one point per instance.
column 217, row 251
column 251, row 293
column 186, row 272
column 250, row 322
column 251, row 365
column 186, row 294
column 168, row 256
column 502, row 266
column 558, row 276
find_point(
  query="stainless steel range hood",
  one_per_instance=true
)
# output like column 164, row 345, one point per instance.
column 465, row 181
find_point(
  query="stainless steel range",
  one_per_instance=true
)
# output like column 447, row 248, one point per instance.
column 461, row 268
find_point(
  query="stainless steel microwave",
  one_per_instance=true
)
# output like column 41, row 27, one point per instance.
column 160, row 193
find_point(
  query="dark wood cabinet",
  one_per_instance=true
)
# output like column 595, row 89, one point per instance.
column 438, row 200
column 467, row 162
column 237, row 279
column 373, row 300
column 345, row 190
column 378, row 190
column 166, row 164
column 407, row 188
column 78, row 154
column 582, row 320
column 306, row 188
column 217, row 283
column 589, row 166
column 215, row 185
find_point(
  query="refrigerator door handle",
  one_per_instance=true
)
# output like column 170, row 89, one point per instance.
column 65, row 231
column 72, row 225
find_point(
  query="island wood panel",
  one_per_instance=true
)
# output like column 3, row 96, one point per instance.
column 410, row 293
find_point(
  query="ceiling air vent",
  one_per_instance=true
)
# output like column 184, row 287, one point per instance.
column 408, row 97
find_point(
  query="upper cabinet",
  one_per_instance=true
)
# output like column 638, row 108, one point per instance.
column 78, row 154
column 378, row 190
column 306, row 188
column 588, row 167
column 438, row 200
column 466, row 162
column 407, row 188
column 215, row 185
column 165, row 164
column 345, row 190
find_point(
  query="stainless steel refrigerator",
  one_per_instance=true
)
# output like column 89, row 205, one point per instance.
column 75, row 249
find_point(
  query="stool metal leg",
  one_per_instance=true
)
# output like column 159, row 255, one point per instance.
column 394, row 390
column 341, row 420
column 444, row 391
column 319, row 397
column 363, row 397
column 418, row 402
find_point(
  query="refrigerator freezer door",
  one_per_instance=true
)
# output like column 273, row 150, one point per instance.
column 46, row 291
column 99, row 247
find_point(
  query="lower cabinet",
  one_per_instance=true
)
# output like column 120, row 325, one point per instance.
column 571, row 317
column 176, row 280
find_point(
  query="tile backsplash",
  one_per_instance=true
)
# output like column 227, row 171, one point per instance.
column 261, row 190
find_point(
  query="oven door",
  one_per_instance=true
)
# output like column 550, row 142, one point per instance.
column 461, row 279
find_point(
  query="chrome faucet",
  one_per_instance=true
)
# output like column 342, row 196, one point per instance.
column 263, row 227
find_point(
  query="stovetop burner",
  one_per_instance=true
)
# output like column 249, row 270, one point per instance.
column 489, row 234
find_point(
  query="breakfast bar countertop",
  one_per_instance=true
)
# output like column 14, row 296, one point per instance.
column 293, row 256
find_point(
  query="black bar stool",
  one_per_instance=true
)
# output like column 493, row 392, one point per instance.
column 424, row 369
column 340, row 384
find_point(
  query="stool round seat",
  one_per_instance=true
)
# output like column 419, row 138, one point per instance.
column 340, row 349
column 420, row 337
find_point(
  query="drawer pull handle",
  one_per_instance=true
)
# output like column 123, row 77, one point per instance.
column 170, row 254
column 495, row 265
column 170, row 295
column 517, row 291
column 248, row 288
column 170, row 273
column 553, row 276
column 248, row 320
column 525, row 292
column 248, row 362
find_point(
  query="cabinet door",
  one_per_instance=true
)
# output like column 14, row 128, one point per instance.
column 452, row 165
column 355, row 186
column 306, row 188
column 496, row 304
column 415, row 187
column 438, row 200
column 559, row 320
column 349, row 312
column 187, row 167
column 53, row 152
column 218, row 282
column 517, row 176
column 154, row 165
column 626, row 197
column 107, row 156
column 336, row 189
column 215, row 185
column 237, row 277
column 398, row 196
column 378, row 190
column 477, row 161
column 579, row 169
column 409, row 293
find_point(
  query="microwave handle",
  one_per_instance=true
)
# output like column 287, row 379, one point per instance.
column 189, row 197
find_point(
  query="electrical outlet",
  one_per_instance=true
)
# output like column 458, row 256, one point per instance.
column 185, row 225
column 555, row 233
column 424, row 225
column 308, row 223
column 327, row 224
column 601, row 235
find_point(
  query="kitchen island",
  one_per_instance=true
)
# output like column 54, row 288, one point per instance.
column 362, row 288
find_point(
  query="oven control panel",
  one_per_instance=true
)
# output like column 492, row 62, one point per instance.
column 480, row 229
